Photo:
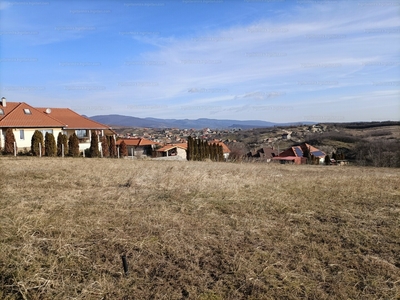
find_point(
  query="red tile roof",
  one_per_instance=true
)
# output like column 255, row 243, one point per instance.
column 172, row 146
column 15, row 116
column 73, row 120
column 225, row 148
column 137, row 142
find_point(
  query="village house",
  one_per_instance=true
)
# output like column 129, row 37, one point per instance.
column 138, row 146
column 295, row 154
column 24, row 120
column 175, row 150
column 225, row 148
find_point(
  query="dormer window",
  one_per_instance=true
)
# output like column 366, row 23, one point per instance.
column 27, row 111
column 1, row 112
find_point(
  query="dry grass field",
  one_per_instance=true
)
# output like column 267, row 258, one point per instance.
column 197, row 230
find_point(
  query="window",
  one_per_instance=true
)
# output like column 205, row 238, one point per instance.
column 27, row 111
column 44, row 131
column 1, row 111
column 21, row 134
column 81, row 133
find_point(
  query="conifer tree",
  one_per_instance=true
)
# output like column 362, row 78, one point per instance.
column 105, row 146
column 207, row 150
column 189, row 155
column 196, row 149
column 123, row 150
column 220, row 153
column 73, row 145
column 50, row 148
column 327, row 160
column 113, row 147
column 9, row 140
column 62, row 139
column 201, row 150
column 334, row 156
column 37, row 139
column 94, row 145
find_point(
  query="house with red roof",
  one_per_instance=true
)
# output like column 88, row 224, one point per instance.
column 138, row 146
column 296, row 154
column 225, row 148
column 24, row 120
column 173, row 150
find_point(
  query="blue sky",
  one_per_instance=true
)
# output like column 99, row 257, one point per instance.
column 272, row 60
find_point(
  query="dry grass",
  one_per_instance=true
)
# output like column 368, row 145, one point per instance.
column 197, row 230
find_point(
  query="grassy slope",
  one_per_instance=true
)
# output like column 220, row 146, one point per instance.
column 197, row 230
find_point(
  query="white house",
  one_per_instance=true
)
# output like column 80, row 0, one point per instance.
column 24, row 120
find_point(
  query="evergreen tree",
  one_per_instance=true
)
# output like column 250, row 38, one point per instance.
column 105, row 146
column 207, row 150
column 220, row 153
column 123, row 150
column 334, row 156
column 307, row 154
column 94, row 145
column 189, row 148
column 50, row 145
column 9, row 140
column 113, row 147
column 327, row 160
column 196, row 149
column 201, row 150
column 37, row 139
column 73, row 145
column 62, row 139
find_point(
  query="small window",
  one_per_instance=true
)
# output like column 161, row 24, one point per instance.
column 27, row 111
column 21, row 135
column 1, row 111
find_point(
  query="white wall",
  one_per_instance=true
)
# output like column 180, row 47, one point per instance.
column 28, row 133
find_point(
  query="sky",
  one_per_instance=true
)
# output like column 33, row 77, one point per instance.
column 271, row 60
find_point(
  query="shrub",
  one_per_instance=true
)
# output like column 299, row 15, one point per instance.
column 9, row 140
column 105, row 146
column 123, row 150
column 73, row 145
column 94, row 146
column 327, row 160
column 113, row 147
column 62, row 139
column 37, row 143
column 50, row 145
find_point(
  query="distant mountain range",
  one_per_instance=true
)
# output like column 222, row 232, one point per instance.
column 128, row 121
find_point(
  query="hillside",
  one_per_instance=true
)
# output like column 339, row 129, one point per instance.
column 196, row 230
column 128, row 121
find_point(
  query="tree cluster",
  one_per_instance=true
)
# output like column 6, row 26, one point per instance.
column 200, row 150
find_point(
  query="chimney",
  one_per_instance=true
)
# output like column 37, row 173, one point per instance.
column 3, row 102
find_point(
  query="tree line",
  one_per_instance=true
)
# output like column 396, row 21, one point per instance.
column 47, row 145
column 200, row 150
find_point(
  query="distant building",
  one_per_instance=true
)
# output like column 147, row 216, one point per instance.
column 176, row 150
column 139, row 146
column 295, row 154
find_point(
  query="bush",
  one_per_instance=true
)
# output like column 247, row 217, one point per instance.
column 94, row 146
column 105, row 146
column 9, row 140
column 62, row 139
column 50, row 145
column 113, row 147
column 123, row 150
column 73, row 146
column 37, row 143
